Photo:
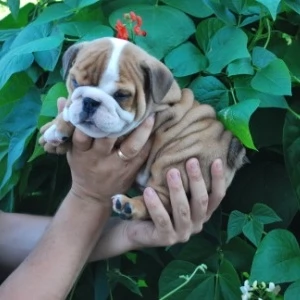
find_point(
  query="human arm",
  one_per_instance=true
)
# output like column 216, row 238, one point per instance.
column 19, row 233
column 68, row 240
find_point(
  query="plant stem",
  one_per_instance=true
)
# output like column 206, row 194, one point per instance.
column 257, row 35
column 269, row 33
column 187, row 280
column 293, row 113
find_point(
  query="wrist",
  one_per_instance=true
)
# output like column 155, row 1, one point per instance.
column 82, row 194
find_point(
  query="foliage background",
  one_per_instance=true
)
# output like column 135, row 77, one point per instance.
column 242, row 57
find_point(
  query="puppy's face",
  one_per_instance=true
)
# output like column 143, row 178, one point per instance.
column 109, row 85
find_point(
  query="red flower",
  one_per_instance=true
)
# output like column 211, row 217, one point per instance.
column 122, row 32
column 133, row 16
column 133, row 22
column 138, row 31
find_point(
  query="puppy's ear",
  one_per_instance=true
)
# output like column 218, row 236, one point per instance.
column 158, row 80
column 69, row 58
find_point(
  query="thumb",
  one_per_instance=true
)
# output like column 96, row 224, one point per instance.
column 61, row 102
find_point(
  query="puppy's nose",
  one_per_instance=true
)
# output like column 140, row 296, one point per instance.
column 90, row 105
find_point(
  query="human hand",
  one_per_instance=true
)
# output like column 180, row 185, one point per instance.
column 188, row 216
column 97, row 170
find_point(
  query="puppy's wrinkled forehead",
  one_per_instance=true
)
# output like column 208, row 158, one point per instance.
column 106, row 61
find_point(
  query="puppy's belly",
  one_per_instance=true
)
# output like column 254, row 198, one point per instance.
column 200, row 137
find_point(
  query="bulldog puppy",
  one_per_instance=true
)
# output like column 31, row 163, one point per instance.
column 114, row 86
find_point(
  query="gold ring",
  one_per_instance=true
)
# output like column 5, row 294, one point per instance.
column 121, row 155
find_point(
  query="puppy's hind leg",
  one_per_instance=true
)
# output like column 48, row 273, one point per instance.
column 130, row 208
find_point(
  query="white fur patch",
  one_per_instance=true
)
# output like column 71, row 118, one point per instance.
column 66, row 114
column 111, row 74
column 53, row 136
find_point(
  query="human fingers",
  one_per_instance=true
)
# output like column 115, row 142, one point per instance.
column 199, row 195
column 163, row 228
column 218, row 187
column 61, row 102
column 133, row 144
column 180, row 206
column 81, row 141
column 104, row 146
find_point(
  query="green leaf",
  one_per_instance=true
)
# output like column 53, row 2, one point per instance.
column 96, row 33
column 291, row 149
column 115, row 276
column 271, row 5
column 237, row 6
column 239, row 252
column 48, row 59
column 49, row 107
column 264, row 214
column 197, row 250
column 206, row 30
column 244, row 91
column 274, row 79
column 221, row 11
column 277, row 258
column 240, row 66
column 14, row 6
column 228, row 282
column 9, row 94
column 253, row 230
column 196, row 8
column 53, row 12
column 227, row 45
column 79, row 4
column 15, row 132
column 210, row 90
column 185, row 60
column 20, row 58
column 261, row 57
column 161, row 24
column 236, row 118
column 235, row 224
column 293, row 4
column 293, row 291
column 142, row 283
column 173, row 276
column 77, row 29
column 131, row 256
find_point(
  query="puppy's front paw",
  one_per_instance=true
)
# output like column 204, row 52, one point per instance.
column 52, row 140
column 53, row 136
column 130, row 208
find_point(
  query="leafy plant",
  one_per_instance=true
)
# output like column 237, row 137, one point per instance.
column 239, row 56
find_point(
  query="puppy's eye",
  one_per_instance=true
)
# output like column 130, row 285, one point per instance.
column 121, row 95
column 74, row 83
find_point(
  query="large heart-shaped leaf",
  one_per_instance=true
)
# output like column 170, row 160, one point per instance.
column 196, row 8
column 185, row 60
column 271, row 5
column 227, row 45
column 161, row 24
column 210, row 90
column 273, row 79
column 236, row 118
column 277, row 258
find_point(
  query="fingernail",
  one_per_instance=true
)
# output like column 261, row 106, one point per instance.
column 194, row 164
column 219, row 165
column 149, row 192
column 175, row 175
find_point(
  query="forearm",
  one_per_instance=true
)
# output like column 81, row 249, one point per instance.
column 60, row 254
